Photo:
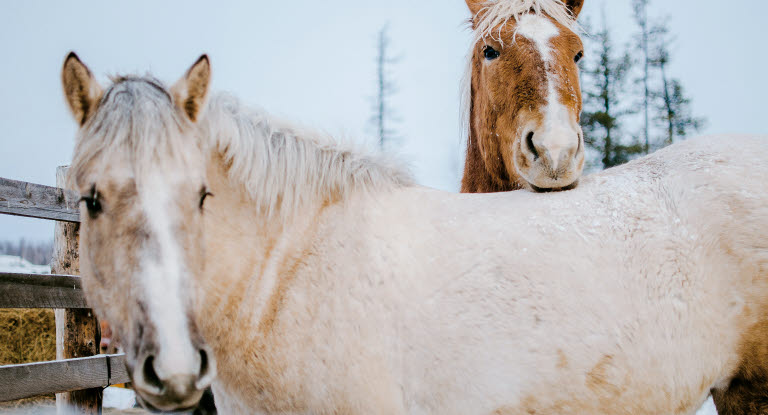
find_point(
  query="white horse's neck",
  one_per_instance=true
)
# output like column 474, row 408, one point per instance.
column 270, row 182
column 241, row 296
column 244, row 284
column 283, row 168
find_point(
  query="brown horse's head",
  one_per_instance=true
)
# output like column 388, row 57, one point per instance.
column 141, row 175
column 525, row 100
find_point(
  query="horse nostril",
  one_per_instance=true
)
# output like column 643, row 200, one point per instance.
column 150, row 376
column 207, row 369
column 579, row 138
column 531, row 147
column 204, row 366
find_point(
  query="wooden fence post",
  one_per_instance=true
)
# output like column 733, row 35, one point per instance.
column 77, row 330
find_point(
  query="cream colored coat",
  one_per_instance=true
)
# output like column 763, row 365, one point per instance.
column 325, row 283
column 630, row 295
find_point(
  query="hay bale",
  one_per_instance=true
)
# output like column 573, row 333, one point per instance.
column 27, row 335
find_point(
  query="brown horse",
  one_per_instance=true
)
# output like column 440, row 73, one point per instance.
column 523, row 97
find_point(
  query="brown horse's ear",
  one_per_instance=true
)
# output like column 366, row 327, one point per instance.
column 190, row 91
column 475, row 6
column 574, row 6
column 80, row 88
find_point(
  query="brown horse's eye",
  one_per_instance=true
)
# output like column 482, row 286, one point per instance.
column 490, row 53
column 578, row 57
column 203, row 194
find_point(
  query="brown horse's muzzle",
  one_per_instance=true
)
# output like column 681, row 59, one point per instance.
column 552, row 160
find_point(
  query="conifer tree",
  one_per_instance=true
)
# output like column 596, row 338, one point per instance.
column 640, row 8
column 673, row 107
column 605, row 108
column 383, row 115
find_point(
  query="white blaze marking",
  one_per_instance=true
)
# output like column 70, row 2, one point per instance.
column 558, row 133
column 540, row 31
column 162, row 276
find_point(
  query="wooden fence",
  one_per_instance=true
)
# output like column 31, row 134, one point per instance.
column 79, row 374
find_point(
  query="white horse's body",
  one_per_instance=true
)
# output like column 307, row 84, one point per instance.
column 319, row 281
column 628, row 295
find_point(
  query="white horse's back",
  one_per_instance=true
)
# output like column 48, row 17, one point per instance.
column 523, row 301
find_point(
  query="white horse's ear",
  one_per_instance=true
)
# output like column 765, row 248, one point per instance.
column 190, row 91
column 574, row 6
column 81, row 90
column 475, row 6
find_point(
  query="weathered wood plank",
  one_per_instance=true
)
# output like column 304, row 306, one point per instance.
column 117, row 370
column 77, row 330
column 40, row 291
column 38, row 201
column 32, row 379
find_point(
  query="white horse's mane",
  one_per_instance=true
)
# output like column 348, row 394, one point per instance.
column 281, row 166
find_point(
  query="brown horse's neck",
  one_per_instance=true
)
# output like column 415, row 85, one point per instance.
column 476, row 177
column 483, row 175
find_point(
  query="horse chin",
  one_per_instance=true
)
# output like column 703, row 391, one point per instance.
column 553, row 189
column 165, row 407
column 541, row 178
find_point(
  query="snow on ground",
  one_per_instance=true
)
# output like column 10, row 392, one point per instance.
column 16, row 264
column 119, row 398
column 708, row 408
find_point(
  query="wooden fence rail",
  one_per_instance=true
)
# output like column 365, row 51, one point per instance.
column 32, row 379
column 79, row 371
column 40, row 291
column 38, row 201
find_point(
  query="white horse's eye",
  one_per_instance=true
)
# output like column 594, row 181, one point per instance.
column 92, row 203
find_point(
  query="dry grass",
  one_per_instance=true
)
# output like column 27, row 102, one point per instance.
column 27, row 336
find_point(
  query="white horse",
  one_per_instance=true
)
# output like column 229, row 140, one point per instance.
column 320, row 280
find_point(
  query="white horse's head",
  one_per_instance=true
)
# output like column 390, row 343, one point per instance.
column 141, row 173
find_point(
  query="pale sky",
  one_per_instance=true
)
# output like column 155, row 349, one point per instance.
column 313, row 62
